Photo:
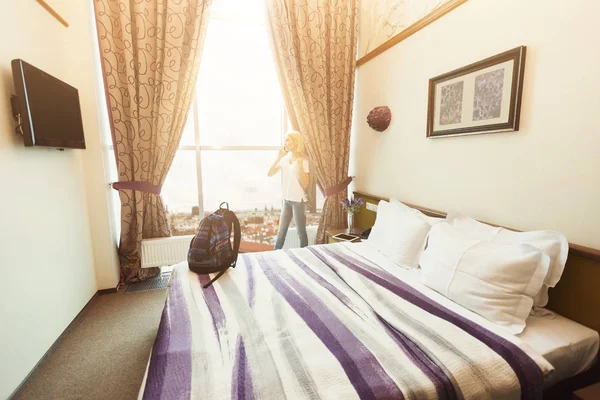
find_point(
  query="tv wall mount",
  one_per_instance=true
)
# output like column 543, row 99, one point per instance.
column 16, row 110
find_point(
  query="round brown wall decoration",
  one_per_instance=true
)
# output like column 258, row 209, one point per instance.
column 379, row 118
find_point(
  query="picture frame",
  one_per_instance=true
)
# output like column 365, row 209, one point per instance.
column 483, row 97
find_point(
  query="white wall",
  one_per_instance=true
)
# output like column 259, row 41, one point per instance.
column 46, row 236
column 99, row 164
column 546, row 175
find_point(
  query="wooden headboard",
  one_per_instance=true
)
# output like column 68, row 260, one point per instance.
column 577, row 294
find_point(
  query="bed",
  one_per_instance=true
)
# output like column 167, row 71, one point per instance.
column 342, row 321
column 339, row 321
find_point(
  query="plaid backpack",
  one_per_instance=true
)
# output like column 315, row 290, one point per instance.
column 210, row 249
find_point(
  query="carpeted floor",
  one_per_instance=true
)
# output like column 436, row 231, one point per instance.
column 104, row 353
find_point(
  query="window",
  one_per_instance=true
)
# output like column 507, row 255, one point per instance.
column 234, row 131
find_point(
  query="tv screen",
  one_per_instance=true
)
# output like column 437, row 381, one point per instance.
column 49, row 108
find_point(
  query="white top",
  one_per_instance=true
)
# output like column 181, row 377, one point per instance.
column 292, row 190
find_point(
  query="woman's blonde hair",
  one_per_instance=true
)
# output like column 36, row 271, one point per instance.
column 299, row 140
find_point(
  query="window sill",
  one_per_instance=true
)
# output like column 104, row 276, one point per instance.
column 252, row 247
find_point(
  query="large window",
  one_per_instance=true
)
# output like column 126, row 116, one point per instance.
column 234, row 130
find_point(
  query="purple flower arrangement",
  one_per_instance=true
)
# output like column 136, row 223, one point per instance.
column 352, row 205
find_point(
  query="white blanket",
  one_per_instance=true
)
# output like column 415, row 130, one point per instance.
column 325, row 322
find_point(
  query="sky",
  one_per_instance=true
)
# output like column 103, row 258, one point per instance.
column 238, row 103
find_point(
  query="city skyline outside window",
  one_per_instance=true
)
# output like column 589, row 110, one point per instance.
column 234, row 131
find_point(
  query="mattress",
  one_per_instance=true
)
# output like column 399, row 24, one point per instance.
column 568, row 346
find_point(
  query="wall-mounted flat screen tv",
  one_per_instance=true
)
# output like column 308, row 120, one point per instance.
column 48, row 108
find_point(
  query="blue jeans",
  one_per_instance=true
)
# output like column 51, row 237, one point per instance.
column 298, row 208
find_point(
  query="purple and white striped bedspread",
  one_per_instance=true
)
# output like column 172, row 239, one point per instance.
column 324, row 323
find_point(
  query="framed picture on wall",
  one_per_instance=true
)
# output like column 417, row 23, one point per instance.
column 484, row 97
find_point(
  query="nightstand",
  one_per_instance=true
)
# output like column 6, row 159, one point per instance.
column 332, row 232
column 588, row 393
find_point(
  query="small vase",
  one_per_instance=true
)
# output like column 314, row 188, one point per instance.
column 350, row 222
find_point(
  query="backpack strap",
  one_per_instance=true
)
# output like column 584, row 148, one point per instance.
column 232, row 221
column 215, row 278
column 237, row 234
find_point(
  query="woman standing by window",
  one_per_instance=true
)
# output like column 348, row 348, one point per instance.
column 293, row 164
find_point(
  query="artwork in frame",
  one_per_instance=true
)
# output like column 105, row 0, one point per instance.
column 484, row 97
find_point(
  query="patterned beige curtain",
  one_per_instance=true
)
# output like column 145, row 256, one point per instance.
column 314, row 43
column 150, row 52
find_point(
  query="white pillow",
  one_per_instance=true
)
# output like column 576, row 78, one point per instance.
column 430, row 220
column 496, row 281
column 399, row 233
column 554, row 244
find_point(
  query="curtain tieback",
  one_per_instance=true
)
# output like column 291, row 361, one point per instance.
column 137, row 185
column 330, row 191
